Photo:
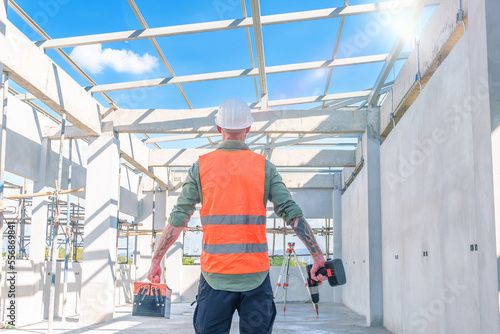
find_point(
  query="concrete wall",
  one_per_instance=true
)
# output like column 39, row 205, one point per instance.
column 315, row 203
column 431, row 277
column 24, row 148
column 25, row 128
column 355, row 246
column 129, row 188
column 491, row 24
column 33, row 279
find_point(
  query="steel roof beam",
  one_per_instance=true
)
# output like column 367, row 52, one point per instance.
column 322, row 98
column 242, row 73
column 259, row 47
column 250, row 52
column 303, row 139
column 335, row 50
column 164, row 60
column 228, row 24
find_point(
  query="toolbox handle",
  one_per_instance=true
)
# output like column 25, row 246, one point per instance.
column 156, row 296
column 139, row 293
column 142, row 295
column 162, row 299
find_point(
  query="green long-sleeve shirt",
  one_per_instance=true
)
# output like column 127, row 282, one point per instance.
column 274, row 191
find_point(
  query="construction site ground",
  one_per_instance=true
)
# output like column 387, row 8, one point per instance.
column 299, row 318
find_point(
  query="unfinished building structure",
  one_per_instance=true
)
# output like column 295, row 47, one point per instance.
column 404, row 177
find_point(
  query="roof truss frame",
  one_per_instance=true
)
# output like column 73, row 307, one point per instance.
column 228, row 24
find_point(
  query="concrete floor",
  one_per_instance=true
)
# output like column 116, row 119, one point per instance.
column 300, row 318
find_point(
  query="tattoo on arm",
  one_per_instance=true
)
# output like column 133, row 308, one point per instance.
column 168, row 237
column 305, row 233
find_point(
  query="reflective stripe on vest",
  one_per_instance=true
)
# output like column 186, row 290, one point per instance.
column 233, row 214
column 234, row 248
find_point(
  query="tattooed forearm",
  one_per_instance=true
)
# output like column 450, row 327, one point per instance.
column 169, row 235
column 304, row 232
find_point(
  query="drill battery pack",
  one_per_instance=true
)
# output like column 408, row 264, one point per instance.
column 335, row 272
column 151, row 299
column 333, row 269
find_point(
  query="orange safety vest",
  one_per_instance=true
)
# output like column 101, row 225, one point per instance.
column 233, row 214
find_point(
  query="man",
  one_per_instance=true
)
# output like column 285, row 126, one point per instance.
column 234, row 184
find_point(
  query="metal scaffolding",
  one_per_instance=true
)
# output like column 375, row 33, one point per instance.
column 73, row 230
column 17, row 214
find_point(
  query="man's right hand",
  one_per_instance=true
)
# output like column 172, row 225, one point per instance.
column 168, row 236
column 154, row 272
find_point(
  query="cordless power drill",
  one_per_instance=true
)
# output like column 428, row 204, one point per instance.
column 333, row 269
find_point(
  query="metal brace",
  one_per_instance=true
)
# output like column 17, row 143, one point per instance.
column 460, row 15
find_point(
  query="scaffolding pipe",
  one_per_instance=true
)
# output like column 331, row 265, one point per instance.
column 66, row 244
column 22, row 236
column 19, row 221
column 55, row 227
column 46, row 193
column 74, row 229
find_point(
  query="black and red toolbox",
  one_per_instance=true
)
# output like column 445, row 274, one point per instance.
column 152, row 300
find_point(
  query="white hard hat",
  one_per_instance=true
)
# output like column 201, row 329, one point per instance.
column 234, row 114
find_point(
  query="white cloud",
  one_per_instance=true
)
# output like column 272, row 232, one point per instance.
column 95, row 59
column 318, row 91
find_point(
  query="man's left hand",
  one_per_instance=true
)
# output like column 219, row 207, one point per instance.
column 319, row 262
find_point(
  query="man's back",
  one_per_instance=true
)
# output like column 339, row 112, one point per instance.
column 233, row 214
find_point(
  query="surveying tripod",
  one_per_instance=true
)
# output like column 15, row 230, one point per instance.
column 285, row 267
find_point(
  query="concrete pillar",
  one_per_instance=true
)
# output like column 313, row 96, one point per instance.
column 39, row 228
column 337, row 229
column 160, row 208
column 484, row 30
column 101, row 222
column 173, row 260
column 37, row 248
column 371, row 156
column 40, row 210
